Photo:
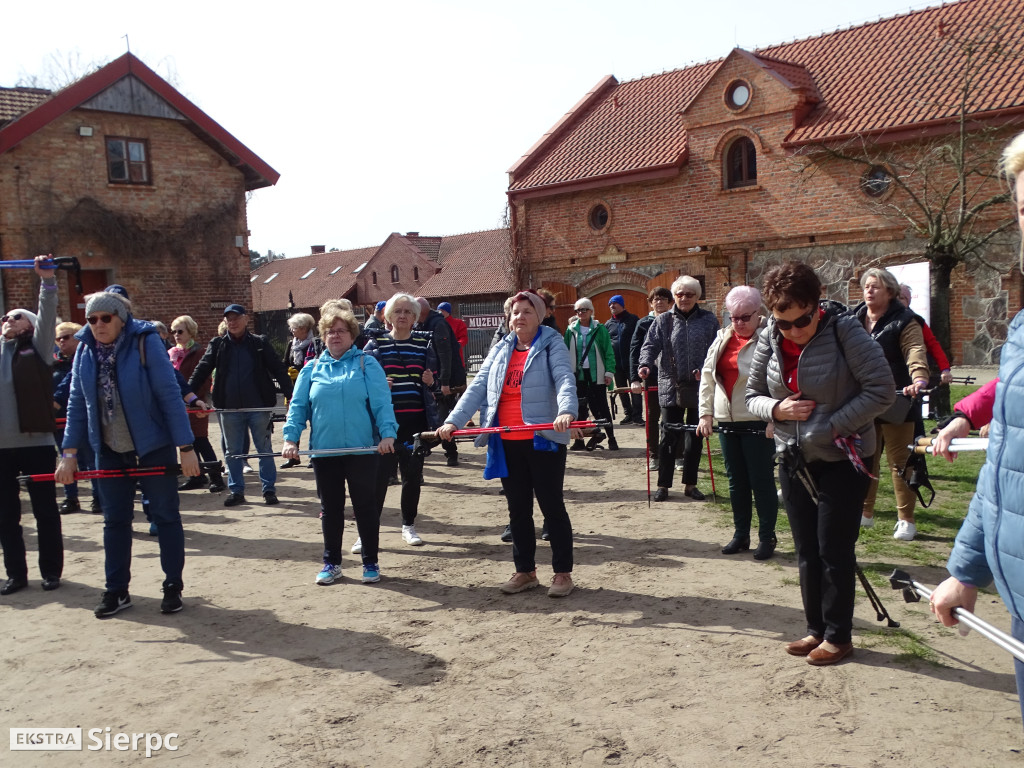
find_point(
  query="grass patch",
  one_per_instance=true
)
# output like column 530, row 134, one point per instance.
column 910, row 647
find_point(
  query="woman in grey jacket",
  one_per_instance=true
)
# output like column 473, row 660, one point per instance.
column 822, row 380
column 527, row 379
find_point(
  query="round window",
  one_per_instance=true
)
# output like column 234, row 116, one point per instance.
column 876, row 182
column 738, row 95
column 598, row 217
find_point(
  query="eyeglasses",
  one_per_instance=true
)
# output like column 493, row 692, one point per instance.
column 686, row 295
column 65, row 337
column 11, row 318
column 583, row 309
column 339, row 332
column 746, row 318
column 801, row 322
column 177, row 331
column 105, row 319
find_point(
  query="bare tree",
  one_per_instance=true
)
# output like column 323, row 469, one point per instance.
column 946, row 188
column 59, row 70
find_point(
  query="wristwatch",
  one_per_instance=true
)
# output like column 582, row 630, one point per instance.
column 186, row 448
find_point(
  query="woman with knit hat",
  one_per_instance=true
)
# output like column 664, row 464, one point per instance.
column 126, row 404
column 26, row 436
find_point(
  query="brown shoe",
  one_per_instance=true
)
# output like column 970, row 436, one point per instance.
column 520, row 582
column 803, row 646
column 561, row 585
column 822, row 656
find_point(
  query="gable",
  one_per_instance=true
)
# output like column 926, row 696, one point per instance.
column 131, row 96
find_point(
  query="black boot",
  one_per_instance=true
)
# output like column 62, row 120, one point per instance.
column 738, row 544
column 193, row 483
column 766, row 548
column 578, row 445
column 216, row 481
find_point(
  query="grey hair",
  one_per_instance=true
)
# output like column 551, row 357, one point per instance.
column 584, row 303
column 301, row 320
column 401, row 298
column 685, row 281
column 885, row 277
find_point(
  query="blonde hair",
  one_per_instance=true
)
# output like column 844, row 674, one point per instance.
column 335, row 313
column 69, row 327
column 344, row 304
column 1012, row 161
column 191, row 326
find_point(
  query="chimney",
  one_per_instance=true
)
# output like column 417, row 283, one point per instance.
column 317, row 249
column 412, row 234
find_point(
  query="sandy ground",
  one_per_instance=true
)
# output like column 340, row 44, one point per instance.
column 667, row 654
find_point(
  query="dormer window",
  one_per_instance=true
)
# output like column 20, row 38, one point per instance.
column 740, row 164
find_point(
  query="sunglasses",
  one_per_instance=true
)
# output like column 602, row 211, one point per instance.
column 746, row 318
column 105, row 319
column 686, row 295
column 583, row 309
column 11, row 318
column 177, row 331
column 65, row 337
column 800, row 322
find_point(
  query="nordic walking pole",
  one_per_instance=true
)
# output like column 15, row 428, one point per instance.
column 912, row 592
column 647, row 441
column 956, row 445
column 101, row 474
column 321, row 452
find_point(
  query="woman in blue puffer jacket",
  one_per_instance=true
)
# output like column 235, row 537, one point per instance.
column 990, row 545
column 527, row 379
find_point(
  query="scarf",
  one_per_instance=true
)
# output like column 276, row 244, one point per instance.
column 178, row 354
column 106, row 364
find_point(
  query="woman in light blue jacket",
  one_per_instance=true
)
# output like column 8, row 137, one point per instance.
column 527, row 379
column 344, row 396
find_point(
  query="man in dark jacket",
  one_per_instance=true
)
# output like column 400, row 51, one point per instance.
column 452, row 374
column 246, row 367
column 621, row 326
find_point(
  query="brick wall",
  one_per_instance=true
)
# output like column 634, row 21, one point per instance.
column 170, row 243
column 809, row 207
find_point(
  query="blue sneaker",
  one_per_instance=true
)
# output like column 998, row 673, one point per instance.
column 328, row 574
column 153, row 530
column 371, row 573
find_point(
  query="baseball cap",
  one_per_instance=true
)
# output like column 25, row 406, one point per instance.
column 237, row 308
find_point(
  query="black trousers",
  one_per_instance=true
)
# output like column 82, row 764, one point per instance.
column 541, row 474
column 824, row 535
column 632, row 405
column 360, row 472
column 670, row 438
column 593, row 399
column 39, row 460
column 410, row 465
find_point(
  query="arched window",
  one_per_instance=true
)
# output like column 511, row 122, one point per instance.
column 416, row 274
column 740, row 164
column 394, row 273
column 374, row 276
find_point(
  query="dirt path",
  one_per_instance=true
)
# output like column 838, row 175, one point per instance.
column 667, row 654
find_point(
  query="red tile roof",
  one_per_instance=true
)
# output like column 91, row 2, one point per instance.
column 334, row 277
column 40, row 114
column 471, row 265
column 885, row 76
column 14, row 101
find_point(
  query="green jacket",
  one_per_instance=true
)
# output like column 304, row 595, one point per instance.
column 599, row 351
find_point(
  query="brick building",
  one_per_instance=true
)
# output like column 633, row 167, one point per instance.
column 472, row 271
column 721, row 168
column 145, row 189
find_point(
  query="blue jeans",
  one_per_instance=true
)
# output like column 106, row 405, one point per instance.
column 117, row 496
column 233, row 428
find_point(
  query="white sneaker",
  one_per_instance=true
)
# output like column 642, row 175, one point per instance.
column 410, row 537
column 653, row 465
column 905, row 531
column 357, row 547
column 867, row 522
column 246, row 469
column 679, row 465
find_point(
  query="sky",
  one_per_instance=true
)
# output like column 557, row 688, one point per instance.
column 397, row 116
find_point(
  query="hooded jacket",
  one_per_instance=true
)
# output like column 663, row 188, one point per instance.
column 842, row 369
column 600, row 354
column 148, row 390
column 548, row 388
column 990, row 544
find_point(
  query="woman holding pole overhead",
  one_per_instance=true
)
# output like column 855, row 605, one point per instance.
column 343, row 395
column 528, row 379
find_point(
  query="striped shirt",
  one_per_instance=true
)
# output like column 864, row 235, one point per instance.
column 403, row 363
